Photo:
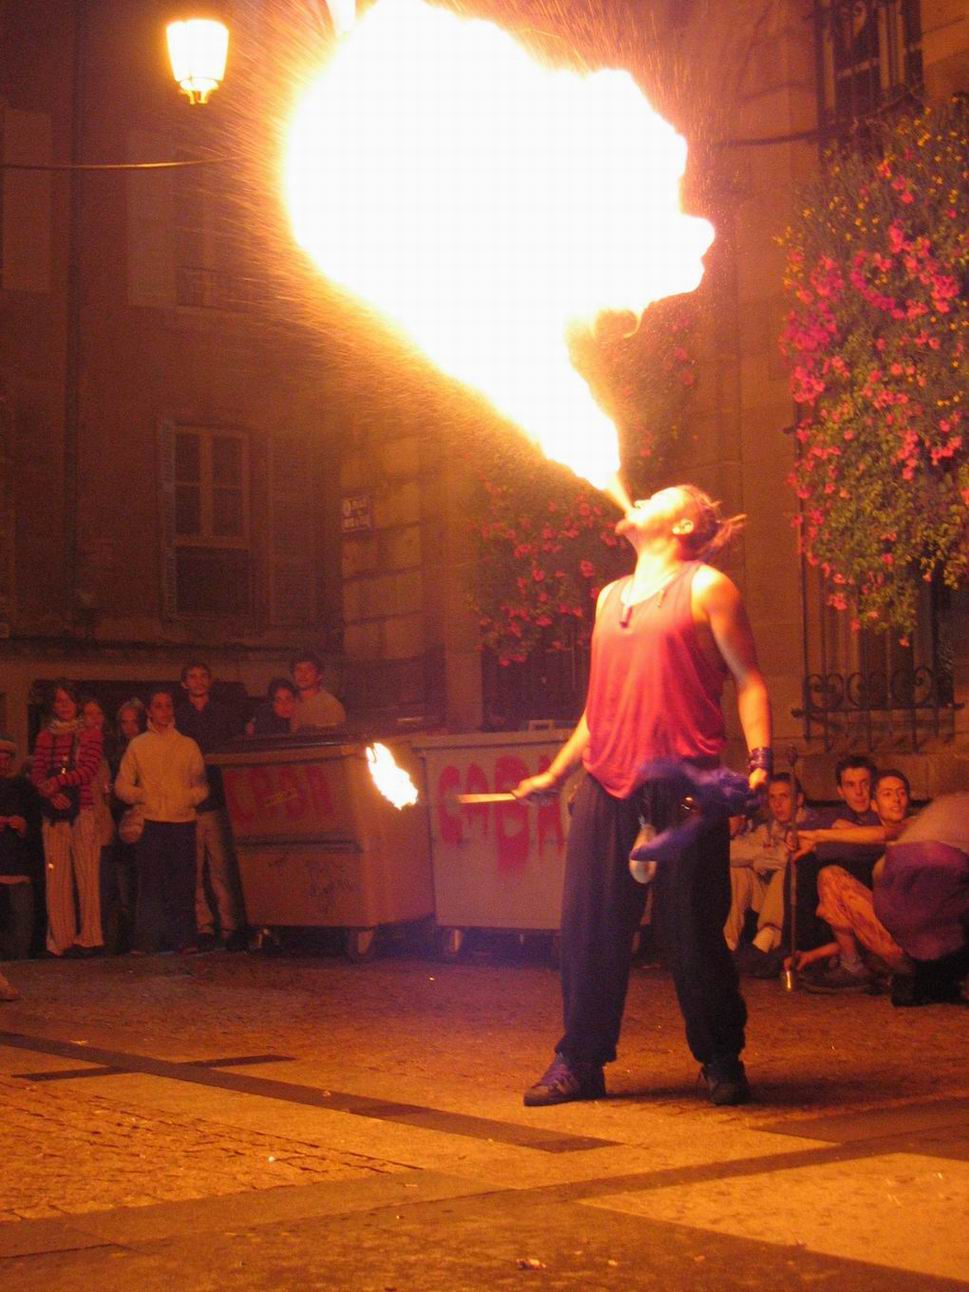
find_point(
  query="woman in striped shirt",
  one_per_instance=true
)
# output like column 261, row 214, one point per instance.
column 67, row 756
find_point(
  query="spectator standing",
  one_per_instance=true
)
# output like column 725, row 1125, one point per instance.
column 119, row 876
column 102, row 795
column 274, row 716
column 66, row 759
column 15, row 864
column 211, row 725
column 162, row 770
column 315, row 708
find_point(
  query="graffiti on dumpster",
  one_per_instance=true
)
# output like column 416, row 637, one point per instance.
column 328, row 885
column 508, row 826
column 276, row 796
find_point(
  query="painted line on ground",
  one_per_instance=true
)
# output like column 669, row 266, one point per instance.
column 542, row 1140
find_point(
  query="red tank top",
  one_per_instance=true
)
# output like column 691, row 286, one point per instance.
column 653, row 693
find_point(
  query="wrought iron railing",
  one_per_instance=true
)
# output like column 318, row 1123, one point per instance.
column 901, row 709
column 869, row 61
column 551, row 683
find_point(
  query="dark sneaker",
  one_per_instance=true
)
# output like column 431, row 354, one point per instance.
column 237, row 940
column 726, row 1083
column 206, row 942
column 907, row 992
column 566, row 1080
column 832, row 982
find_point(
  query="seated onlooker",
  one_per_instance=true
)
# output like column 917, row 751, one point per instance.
column 922, row 898
column 274, row 716
column 315, row 707
column 854, row 774
column 915, row 920
column 845, row 903
column 16, row 886
column 758, row 861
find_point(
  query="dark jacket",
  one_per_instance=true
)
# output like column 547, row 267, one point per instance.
column 211, row 727
column 16, row 799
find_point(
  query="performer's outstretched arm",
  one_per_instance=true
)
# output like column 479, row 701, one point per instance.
column 723, row 609
column 561, row 767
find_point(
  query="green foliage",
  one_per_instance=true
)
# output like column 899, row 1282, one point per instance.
column 877, row 269
column 546, row 544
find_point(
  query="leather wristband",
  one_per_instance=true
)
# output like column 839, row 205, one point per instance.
column 761, row 760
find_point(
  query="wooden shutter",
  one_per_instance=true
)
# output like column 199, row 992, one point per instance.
column 292, row 531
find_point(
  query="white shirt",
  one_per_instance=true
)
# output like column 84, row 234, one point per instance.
column 164, row 772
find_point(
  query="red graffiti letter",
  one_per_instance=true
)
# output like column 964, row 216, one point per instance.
column 513, row 843
column 475, row 782
column 319, row 789
column 449, row 823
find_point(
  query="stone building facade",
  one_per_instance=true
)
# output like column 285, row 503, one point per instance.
column 204, row 454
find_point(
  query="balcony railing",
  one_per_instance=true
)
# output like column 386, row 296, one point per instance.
column 902, row 709
column 216, row 289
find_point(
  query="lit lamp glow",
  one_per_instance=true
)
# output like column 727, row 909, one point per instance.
column 197, row 49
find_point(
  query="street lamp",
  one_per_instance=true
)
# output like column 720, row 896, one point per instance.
column 197, row 48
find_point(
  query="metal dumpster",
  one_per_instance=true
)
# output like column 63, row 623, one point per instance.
column 318, row 844
column 495, row 865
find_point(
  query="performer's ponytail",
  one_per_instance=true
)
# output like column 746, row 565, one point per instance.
column 711, row 532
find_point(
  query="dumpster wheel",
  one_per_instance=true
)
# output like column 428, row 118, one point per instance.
column 360, row 944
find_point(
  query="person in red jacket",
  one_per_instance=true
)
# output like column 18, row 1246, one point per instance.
column 66, row 759
column 665, row 640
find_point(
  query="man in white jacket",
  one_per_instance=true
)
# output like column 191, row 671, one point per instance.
column 163, row 772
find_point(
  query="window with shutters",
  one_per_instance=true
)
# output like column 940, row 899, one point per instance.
column 213, row 241
column 207, row 558
column 869, row 61
column 293, row 510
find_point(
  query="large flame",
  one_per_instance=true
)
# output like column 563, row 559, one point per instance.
column 390, row 779
column 486, row 203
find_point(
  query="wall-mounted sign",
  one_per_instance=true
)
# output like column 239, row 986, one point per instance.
column 356, row 513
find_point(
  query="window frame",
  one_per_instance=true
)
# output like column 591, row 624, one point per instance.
column 207, row 537
column 172, row 543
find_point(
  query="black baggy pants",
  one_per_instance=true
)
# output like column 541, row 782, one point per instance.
column 603, row 907
column 165, row 909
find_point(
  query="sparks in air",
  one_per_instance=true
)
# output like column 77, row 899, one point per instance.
column 485, row 204
column 390, row 778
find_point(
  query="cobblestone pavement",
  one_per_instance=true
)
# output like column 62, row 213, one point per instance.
column 281, row 1107
column 72, row 1154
